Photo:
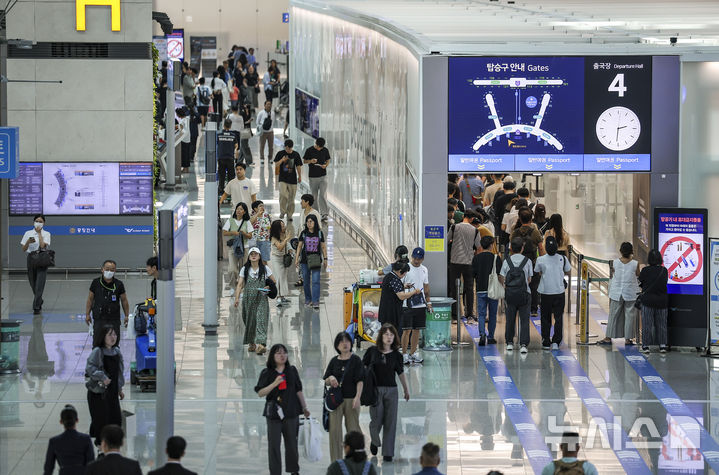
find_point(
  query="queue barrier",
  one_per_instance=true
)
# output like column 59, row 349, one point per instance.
column 585, row 280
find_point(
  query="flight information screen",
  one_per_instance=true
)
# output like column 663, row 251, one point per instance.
column 82, row 188
column 550, row 113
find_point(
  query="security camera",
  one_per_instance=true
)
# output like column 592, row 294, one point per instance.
column 673, row 40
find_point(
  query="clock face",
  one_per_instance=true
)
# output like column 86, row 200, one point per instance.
column 618, row 128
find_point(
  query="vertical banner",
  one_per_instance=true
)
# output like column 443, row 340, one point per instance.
column 680, row 236
column 714, row 291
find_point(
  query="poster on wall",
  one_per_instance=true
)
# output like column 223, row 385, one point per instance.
column 176, row 45
column 559, row 113
column 681, row 244
column 307, row 113
column 160, row 43
column 714, row 291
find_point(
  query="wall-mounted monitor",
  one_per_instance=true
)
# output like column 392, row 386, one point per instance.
column 82, row 188
column 565, row 113
column 307, row 113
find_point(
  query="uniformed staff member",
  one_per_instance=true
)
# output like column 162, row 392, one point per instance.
column 228, row 145
column 106, row 295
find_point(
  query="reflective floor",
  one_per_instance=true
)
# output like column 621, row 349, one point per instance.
column 487, row 408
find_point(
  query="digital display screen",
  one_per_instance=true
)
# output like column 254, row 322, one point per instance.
column 681, row 244
column 550, row 114
column 82, row 188
column 307, row 113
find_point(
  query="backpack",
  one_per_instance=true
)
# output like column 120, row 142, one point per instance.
column 515, row 283
column 569, row 468
column 204, row 96
column 365, row 470
column 267, row 123
column 530, row 248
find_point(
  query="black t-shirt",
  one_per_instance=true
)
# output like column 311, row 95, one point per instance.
column 353, row 371
column 153, row 289
column 500, row 205
column 390, row 306
column 226, row 142
column 106, row 303
column 653, row 280
column 288, row 170
column 287, row 398
column 322, row 156
column 384, row 365
column 482, row 266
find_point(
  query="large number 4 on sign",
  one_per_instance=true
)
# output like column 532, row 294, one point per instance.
column 617, row 85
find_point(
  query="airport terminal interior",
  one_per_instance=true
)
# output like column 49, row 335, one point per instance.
column 580, row 135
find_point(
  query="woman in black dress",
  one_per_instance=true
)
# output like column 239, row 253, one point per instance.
column 281, row 386
column 104, row 374
column 393, row 294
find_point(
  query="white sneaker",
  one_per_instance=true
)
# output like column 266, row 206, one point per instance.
column 555, row 346
column 416, row 357
column 523, row 349
column 405, row 357
column 510, row 347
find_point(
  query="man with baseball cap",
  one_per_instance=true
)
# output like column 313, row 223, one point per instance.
column 414, row 317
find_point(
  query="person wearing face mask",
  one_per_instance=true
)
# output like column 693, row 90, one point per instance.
column 33, row 240
column 106, row 295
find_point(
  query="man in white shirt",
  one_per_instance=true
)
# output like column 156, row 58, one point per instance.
column 240, row 189
column 414, row 316
column 265, row 119
column 306, row 202
column 32, row 240
column 551, row 267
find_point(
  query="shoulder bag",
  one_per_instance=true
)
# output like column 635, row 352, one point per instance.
column 42, row 258
column 369, row 388
column 314, row 261
column 287, row 260
column 333, row 396
column 638, row 301
column 495, row 291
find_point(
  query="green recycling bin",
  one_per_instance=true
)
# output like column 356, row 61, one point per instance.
column 10, row 347
column 437, row 334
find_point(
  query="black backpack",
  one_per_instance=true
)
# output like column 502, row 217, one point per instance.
column 267, row 123
column 204, row 96
column 515, row 283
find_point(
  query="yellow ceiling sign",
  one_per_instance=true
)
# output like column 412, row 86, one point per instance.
column 114, row 12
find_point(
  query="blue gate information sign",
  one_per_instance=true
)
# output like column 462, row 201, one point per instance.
column 9, row 151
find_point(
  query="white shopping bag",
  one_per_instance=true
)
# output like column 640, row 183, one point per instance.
column 130, row 334
column 311, row 439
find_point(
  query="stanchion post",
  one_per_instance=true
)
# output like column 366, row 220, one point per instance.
column 570, row 250
column 584, row 304
column 211, row 212
column 580, row 260
column 165, row 376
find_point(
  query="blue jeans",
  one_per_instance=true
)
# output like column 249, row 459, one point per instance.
column 482, row 303
column 311, row 285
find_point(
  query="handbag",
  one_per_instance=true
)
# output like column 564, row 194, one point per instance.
column 42, row 258
column 495, row 291
column 370, row 392
column 273, row 410
column 287, row 260
column 333, row 396
column 638, row 301
column 314, row 261
column 94, row 386
column 416, row 300
column 245, row 134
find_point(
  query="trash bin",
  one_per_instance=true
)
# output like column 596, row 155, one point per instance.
column 437, row 334
column 10, row 347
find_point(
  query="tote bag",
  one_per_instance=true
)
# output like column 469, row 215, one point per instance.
column 495, row 291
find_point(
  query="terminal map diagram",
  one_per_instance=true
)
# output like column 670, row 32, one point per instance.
column 76, row 188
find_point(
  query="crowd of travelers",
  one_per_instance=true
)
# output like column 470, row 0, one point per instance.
column 497, row 234
column 501, row 247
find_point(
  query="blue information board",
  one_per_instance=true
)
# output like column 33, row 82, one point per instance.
column 9, row 151
column 285, row 18
column 556, row 114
